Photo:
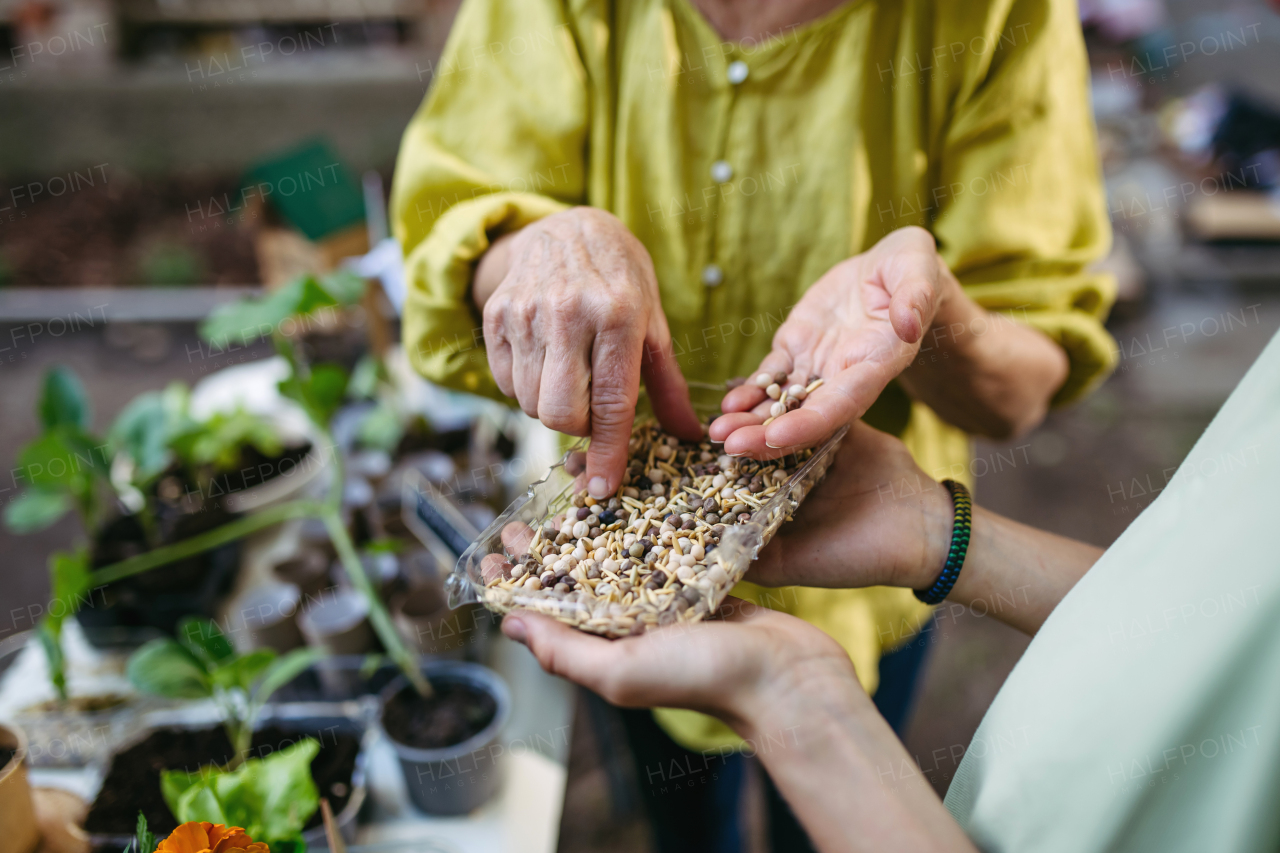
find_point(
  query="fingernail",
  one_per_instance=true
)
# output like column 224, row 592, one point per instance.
column 514, row 628
column 919, row 318
column 735, row 455
column 773, row 446
column 598, row 488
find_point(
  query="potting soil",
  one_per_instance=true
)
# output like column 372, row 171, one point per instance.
column 453, row 713
column 132, row 783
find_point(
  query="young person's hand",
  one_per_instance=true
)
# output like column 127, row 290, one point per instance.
column 732, row 667
column 876, row 519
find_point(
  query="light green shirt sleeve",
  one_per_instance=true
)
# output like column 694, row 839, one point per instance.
column 1145, row 714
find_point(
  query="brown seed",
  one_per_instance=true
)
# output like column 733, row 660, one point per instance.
column 744, row 517
column 780, row 377
column 813, row 377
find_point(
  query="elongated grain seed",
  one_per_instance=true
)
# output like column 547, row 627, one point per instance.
column 652, row 557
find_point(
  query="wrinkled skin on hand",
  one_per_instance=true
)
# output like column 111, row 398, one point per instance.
column 574, row 326
column 857, row 327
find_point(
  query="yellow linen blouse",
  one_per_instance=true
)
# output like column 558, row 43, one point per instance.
column 748, row 170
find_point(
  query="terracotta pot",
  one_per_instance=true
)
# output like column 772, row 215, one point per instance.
column 17, row 811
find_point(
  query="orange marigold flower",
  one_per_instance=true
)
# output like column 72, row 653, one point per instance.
column 204, row 837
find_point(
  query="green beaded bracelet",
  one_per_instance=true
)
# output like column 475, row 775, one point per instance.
column 960, row 529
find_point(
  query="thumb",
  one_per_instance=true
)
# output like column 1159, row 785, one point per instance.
column 668, row 391
column 914, row 283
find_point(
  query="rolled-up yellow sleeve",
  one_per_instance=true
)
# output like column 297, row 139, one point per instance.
column 499, row 142
column 1023, row 211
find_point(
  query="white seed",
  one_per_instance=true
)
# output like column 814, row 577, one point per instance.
column 717, row 575
column 763, row 380
column 686, row 573
column 628, row 540
column 631, row 492
column 550, row 559
column 697, row 551
column 610, row 566
column 720, row 481
column 656, row 475
column 778, row 409
column 579, row 554
column 659, row 502
column 658, row 489
column 581, row 529
column 797, row 391
column 726, row 492
column 533, row 583
column 688, row 560
column 774, row 391
column 663, row 451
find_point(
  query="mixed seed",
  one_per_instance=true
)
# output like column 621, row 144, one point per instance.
column 786, row 398
column 649, row 555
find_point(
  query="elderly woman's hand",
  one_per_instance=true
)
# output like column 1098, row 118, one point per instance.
column 857, row 327
column 896, row 311
column 573, row 323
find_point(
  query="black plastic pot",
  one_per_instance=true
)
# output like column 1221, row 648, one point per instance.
column 131, row 611
column 457, row 779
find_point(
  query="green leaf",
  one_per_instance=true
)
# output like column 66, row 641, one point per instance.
column 205, row 641
column 220, row 440
column 62, row 459
column 243, row 322
column 284, row 670
column 272, row 798
column 243, row 671
column 164, row 667
column 380, row 429
column 344, row 286
column 364, row 379
column 36, row 509
column 63, row 401
column 144, row 430
column 320, row 393
column 144, row 840
column 51, row 641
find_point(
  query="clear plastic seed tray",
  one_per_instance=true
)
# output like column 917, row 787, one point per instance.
column 505, row 543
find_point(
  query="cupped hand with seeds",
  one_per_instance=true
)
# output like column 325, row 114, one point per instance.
column 857, row 328
column 572, row 322
column 893, row 312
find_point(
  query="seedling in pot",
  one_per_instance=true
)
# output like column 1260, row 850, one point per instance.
column 270, row 798
column 201, row 664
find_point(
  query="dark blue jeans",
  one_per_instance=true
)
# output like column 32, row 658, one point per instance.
column 694, row 800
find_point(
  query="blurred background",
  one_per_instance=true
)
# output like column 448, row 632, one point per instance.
column 160, row 158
